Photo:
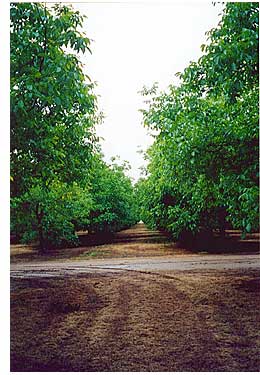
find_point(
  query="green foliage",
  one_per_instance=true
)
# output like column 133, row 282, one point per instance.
column 59, row 183
column 52, row 108
column 114, row 201
column 203, row 165
column 230, row 61
column 52, row 214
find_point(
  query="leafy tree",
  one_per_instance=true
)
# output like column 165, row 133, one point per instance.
column 52, row 215
column 59, row 183
column 114, row 206
column 230, row 61
column 52, row 106
column 203, row 165
column 53, row 113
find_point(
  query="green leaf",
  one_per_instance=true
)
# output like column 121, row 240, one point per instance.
column 57, row 100
column 248, row 227
column 21, row 104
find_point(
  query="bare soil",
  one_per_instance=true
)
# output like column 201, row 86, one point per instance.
column 192, row 320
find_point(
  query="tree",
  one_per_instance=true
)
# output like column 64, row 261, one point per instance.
column 203, row 165
column 59, row 182
column 114, row 204
column 53, row 113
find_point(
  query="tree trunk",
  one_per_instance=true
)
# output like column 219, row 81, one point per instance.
column 39, row 215
column 222, row 214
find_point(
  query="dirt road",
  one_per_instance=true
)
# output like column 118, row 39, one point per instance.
column 181, row 311
column 137, row 249
column 167, row 263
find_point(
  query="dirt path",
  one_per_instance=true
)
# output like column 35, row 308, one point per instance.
column 177, row 312
column 167, row 263
column 137, row 249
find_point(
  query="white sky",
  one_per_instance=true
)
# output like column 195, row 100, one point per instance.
column 136, row 44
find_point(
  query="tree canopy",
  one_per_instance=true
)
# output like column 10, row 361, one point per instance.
column 203, row 165
column 59, row 182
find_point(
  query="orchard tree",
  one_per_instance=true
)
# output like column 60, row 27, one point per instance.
column 229, row 65
column 59, row 182
column 52, row 106
column 53, row 112
column 203, row 168
column 114, row 203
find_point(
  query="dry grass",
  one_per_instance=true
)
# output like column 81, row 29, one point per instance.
column 129, row 250
column 134, row 242
column 136, row 321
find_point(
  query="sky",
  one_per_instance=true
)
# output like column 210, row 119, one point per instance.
column 137, row 44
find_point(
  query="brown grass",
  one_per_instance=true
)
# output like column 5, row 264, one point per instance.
column 137, row 321
column 134, row 242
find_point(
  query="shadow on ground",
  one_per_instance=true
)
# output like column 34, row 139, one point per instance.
column 189, row 321
column 139, row 241
column 216, row 244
